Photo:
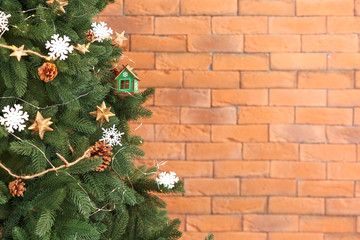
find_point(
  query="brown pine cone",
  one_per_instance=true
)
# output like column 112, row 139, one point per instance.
column 47, row 71
column 17, row 188
column 115, row 71
column 90, row 35
column 101, row 149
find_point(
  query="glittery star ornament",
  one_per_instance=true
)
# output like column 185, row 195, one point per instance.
column 62, row 3
column 102, row 113
column 120, row 37
column 40, row 125
column 18, row 52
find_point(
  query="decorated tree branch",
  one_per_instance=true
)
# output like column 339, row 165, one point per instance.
column 67, row 155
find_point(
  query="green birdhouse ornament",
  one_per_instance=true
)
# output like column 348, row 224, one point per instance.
column 127, row 82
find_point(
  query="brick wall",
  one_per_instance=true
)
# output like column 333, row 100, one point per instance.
column 257, row 108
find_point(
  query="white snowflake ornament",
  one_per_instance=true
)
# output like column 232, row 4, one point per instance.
column 101, row 31
column 4, row 21
column 112, row 136
column 14, row 118
column 59, row 46
column 167, row 179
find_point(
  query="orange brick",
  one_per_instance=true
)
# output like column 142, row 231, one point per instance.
column 188, row 205
column 297, row 97
column 343, row 24
column 344, row 171
column 343, row 206
column 345, row 236
column 225, row 235
column 357, row 116
column 189, row 168
column 303, row 170
column 272, row 43
column 155, row 150
column 330, row 43
column 115, row 8
column 316, row 188
column 251, row 115
column 327, row 224
column 241, row 62
column 344, row 61
column 357, row 193
column 271, row 223
column 151, row 7
column 241, row 169
column 215, row 43
column 296, row 236
column 324, row 7
column 327, row 116
column 159, row 78
column 330, row 80
column 296, row 25
column 182, row 133
column 146, row 131
column 344, row 98
column 205, row 223
column 146, row 43
column 224, row 115
column 268, row 187
column 357, row 78
column 182, row 219
column 239, row 25
column 268, row 79
column 211, row 79
column 211, row 186
column 162, row 115
column 239, row 97
column 142, row 60
column 298, row 61
column 296, row 205
column 184, row 25
column 357, row 7
column 271, row 8
column 131, row 25
column 271, row 151
column 339, row 134
column 328, row 152
column 234, row 205
column 182, row 97
column 297, row 133
column 191, row 61
column 241, row 133
column 213, row 151
column 209, row 7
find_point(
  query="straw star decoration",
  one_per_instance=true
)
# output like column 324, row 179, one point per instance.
column 40, row 125
column 120, row 37
column 62, row 3
column 102, row 113
column 18, row 52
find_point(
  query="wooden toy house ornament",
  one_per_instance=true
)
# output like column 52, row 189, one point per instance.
column 127, row 82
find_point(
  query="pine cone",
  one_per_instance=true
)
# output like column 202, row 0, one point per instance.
column 47, row 72
column 90, row 35
column 101, row 149
column 17, row 188
column 115, row 71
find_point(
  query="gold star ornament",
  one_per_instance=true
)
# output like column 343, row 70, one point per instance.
column 62, row 4
column 18, row 52
column 82, row 48
column 102, row 113
column 120, row 38
column 40, row 125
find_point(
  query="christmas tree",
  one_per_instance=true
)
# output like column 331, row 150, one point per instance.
column 66, row 151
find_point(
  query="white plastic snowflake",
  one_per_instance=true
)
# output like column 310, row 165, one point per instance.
column 112, row 136
column 14, row 118
column 167, row 179
column 59, row 46
column 4, row 21
column 101, row 30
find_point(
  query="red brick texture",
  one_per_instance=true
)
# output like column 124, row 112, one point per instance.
column 256, row 108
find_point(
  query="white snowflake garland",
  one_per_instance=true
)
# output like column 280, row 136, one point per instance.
column 168, row 180
column 4, row 21
column 59, row 46
column 112, row 136
column 14, row 118
column 101, row 31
